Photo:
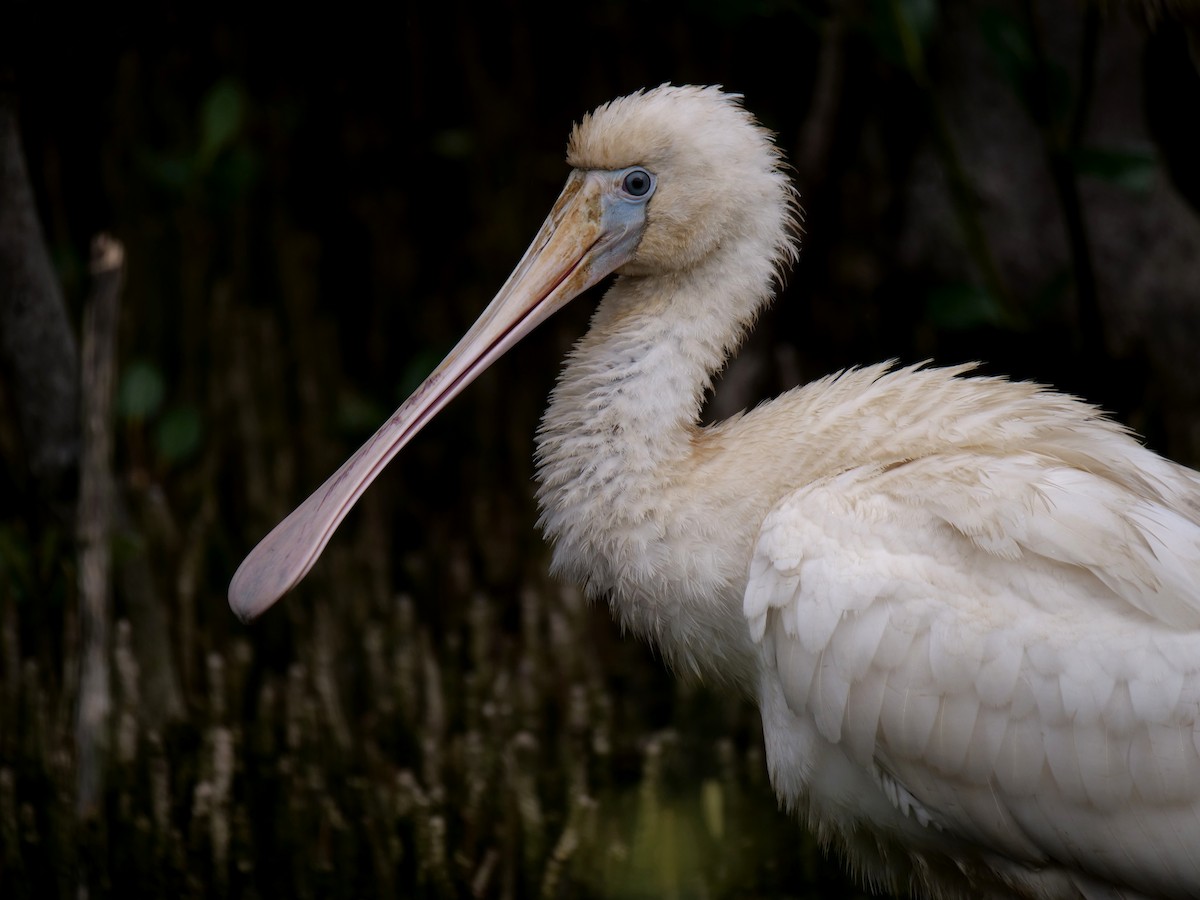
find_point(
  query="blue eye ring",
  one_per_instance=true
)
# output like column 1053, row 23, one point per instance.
column 638, row 183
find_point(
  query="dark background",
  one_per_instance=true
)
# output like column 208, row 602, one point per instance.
column 313, row 206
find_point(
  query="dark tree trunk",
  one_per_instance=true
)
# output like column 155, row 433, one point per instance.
column 38, row 353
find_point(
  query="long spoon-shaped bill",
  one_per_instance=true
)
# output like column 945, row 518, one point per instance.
column 587, row 235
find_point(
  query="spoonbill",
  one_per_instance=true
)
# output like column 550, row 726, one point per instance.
column 968, row 609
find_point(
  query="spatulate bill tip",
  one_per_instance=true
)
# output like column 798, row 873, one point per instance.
column 251, row 593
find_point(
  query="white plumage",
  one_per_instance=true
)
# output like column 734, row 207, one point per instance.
column 1004, row 640
column 968, row 609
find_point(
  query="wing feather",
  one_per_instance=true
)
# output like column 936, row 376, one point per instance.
column 1007, row 648
column 860, row 730
column 953, row 731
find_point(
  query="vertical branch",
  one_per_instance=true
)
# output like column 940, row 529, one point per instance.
column 820, row 125
column 1089, row 47
column 1061, row 143
column 96, row 497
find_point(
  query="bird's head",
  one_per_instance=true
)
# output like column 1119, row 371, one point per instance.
column 715, row 176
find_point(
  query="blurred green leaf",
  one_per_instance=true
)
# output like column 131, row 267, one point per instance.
column 222, row 114
column 221, row 117
column 963, row 306
column 1135, row 170
column 141, row 391
column 177, row 435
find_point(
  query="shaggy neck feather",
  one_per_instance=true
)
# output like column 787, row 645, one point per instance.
column 617, row 453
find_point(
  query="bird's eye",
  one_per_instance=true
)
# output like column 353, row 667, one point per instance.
column 638, row 183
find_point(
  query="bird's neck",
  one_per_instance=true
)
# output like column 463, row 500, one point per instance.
column 618, row 457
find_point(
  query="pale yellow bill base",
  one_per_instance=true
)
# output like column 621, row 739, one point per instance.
column 586, row 236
